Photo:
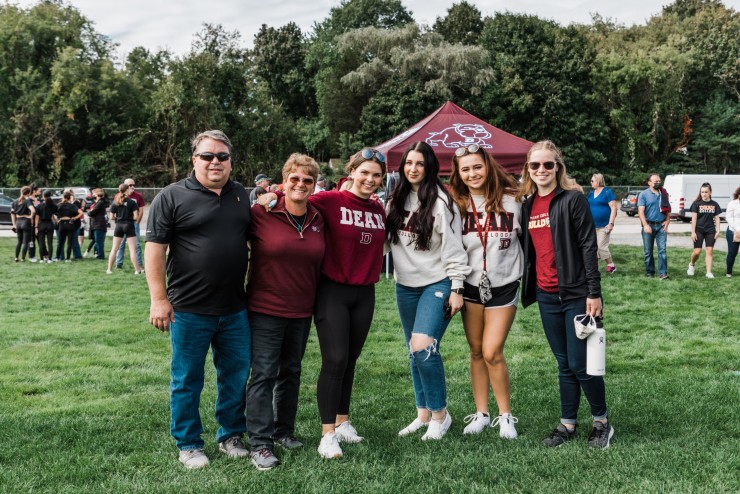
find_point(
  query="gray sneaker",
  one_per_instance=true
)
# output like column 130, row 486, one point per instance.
column 233, row 447
column 289, row 442
column 600, row 435
column 560, row 435
column 263, row 459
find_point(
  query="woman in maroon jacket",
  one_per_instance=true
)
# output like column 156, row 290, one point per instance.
column 345, row 298
column 287, row 248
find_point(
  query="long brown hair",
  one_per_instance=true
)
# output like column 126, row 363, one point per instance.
column 498, row 183
column 121, row 197
column 528, row 187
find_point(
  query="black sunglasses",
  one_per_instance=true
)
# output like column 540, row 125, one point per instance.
column 306, row 181
column 462, row 151
column 368, row 154
column 535, row 165
column 209, row 156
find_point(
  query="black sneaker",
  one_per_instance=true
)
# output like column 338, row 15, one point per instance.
column 600, row 435
column 289, row 442
column 264, row 459
column 558, row 436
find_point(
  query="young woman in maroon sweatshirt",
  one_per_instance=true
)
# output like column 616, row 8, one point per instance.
column 345, row 299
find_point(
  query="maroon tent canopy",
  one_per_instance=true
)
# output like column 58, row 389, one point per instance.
column 450, row 127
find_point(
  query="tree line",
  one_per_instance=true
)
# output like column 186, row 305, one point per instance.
column 623, row 101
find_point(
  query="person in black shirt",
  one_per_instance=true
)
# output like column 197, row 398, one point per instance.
column 203, row 221
column 704, row 228
column 68, row 213
column 98, row 223
column 45, row 220
column 21, row 216
column 125, row 211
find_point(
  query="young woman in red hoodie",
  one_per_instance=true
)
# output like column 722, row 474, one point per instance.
column 345, row 300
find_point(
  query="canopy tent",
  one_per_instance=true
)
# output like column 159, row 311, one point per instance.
column 450, row 127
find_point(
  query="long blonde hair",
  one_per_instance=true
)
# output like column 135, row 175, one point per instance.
column 528, row 187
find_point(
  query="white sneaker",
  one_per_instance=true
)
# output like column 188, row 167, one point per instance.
column 690, row 271
column 345, row 433
column 233, row 447
column 33, row 259
column 506, row 423
column 193, row 458
column 438, row 429
column 329, row 446
column 476, row 423
column 109, row 272
column 86, row 254
column 413, row 427
column 710, row 276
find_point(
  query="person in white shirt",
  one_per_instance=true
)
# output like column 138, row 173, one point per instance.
column 430, row 264
column 491, row 216
column 732, row 215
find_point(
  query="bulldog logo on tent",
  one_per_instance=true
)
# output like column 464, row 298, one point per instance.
column 460, row 135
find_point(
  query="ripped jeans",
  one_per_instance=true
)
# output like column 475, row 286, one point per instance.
column 422, row 312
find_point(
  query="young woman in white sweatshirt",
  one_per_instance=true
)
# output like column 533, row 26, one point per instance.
column 485, row 194
column 430, row 264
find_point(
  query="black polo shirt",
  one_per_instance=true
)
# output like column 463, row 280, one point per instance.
column 207, row 238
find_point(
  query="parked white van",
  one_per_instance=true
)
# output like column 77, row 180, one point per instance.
column 683, row 189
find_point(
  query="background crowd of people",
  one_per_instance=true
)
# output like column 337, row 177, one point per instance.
column 35, row 219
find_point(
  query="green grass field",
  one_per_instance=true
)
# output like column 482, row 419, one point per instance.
column 84, row 396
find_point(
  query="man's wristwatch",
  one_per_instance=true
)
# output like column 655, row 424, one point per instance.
column 459, row 291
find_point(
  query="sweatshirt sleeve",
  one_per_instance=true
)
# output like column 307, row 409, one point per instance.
column 454, row 256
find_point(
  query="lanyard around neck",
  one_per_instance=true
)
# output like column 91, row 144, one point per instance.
column 482, row 231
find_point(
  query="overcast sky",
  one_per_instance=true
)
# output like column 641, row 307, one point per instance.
column 174, row 23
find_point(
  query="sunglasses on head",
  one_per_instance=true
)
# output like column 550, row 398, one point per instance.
column 462, row 151
column 305, row 181
column 368, row 154
column 535, row 165
column 209, row 156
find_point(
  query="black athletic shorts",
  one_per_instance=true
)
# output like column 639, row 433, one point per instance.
column 503, row 296
column 126, row 229
column 701, row 237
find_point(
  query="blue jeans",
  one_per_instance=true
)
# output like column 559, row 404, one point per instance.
column 99, row 236
column 191, row 336
column 76, row 250
column 732, row 248
column 422, row 312
column 570, row 353
column 122, row 248
column 659, row 236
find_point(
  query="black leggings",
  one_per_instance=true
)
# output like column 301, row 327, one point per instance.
column 343, row 317
column 24, row 231
column 46, row 238
column 66, row 234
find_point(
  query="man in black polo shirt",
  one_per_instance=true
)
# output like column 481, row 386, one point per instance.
column 203, row 220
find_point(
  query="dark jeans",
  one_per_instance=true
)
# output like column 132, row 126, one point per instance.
column 570, row 353
column 732, row 248
column 99, row 243
column 278, row 345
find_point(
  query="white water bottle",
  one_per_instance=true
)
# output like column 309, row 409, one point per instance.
column 596, row 352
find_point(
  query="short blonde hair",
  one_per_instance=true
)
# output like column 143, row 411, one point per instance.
column 599, row 178
column 303, row 161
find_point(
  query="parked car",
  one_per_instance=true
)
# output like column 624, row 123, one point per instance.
column 81, row 192
column 629, row 203
column 5, row 203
